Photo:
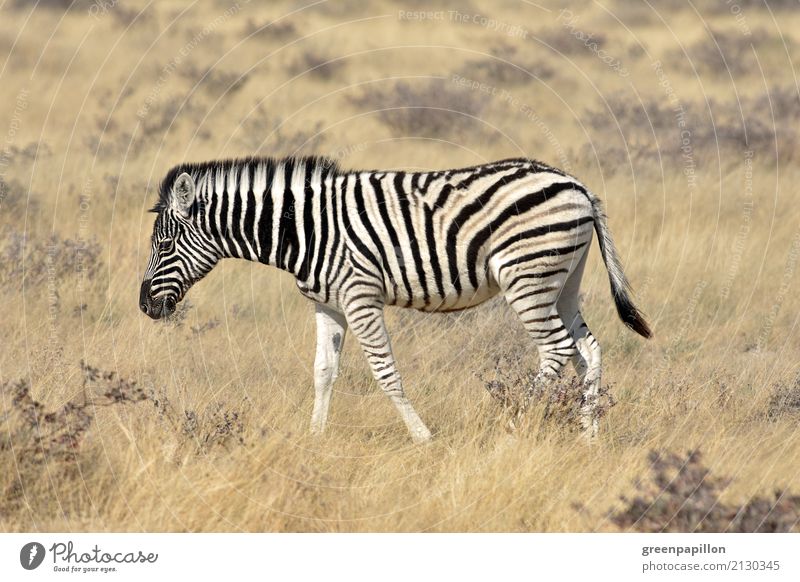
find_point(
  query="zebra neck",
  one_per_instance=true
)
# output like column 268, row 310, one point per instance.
column 262, row 210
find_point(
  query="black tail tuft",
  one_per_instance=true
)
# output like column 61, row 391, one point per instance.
column 631, row 316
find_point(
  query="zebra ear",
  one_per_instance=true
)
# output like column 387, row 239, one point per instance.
column 184, row 192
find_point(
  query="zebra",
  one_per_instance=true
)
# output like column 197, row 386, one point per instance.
column 358, row 241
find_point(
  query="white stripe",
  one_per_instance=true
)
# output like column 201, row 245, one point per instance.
column 299, row 191
column 278, row 184
column 259, row 191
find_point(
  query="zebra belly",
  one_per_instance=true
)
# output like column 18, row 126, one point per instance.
column 465, row 300
column 438, row 294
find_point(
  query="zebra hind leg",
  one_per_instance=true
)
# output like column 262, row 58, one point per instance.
column 588, row 366
column 533, row 296
column 587, row 360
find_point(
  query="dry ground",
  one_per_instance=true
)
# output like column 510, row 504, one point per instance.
column 101, row 99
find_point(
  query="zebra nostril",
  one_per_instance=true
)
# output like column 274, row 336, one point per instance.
column 144, row 297
column 168, row 308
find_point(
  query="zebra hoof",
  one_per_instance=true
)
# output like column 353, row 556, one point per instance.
column 421, row 435
column 589, row 423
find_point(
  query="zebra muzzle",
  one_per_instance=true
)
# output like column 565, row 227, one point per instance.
column 155, row 308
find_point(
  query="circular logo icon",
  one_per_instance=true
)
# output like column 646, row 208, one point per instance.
column 31, row 555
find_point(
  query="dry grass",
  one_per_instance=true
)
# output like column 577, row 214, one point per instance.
column 203, row 426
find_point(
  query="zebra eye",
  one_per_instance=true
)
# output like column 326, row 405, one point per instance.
column 165, row 245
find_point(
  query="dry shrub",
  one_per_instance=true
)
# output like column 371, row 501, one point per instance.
column 42, row 444
column 217, row 427
column 15, row 200
column 109, row 140
column 682, row 496
column 637, row 122
column 48, row 447
column 28, row 154
column 316, row 65
column 636, row 13
column 164, row 116
column 562, row 40
column 155, row 120
column 770, row 127
column 727, row 50
column 214, row 82
column 339, row 9
column 560, row 402
column 462, row 5
column 202, row 328
column 105, row 145
column 735, row 126
column 784, row 402
column 280, row 31
column 506, row 68
column 53, row 259
column 631, row 115
column 56, row 5
column 433, row 108
column 263, row 133
column 717, row 7
column 126, row 17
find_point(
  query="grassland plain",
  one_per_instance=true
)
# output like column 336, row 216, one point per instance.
column 683, row 117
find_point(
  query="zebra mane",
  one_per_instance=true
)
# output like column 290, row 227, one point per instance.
column 197, row 169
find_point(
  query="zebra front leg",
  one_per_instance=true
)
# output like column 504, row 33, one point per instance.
column 369, row 327
column 331, row 329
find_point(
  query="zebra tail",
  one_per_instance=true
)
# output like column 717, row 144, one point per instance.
column 620, row 287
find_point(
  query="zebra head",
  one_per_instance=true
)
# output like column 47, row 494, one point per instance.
column 181, row 252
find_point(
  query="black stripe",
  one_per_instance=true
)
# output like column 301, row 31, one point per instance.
column 483, row 172
column 387, row 223
column 536, row 275
column 444, row 194
column 541, row 334
column 223, row 212
column 404, row 208
column 213, row 226
column 323, row 236
column 309, row 226
column 236, row 218
column 429, row 177
column 265, row 220
column 250, row 211
column 335, row 196
column 415, row 185
column 541, row 231
column 433, row 254
column 540, row 254
column 555, row 341
column 365, row 220
column 287, row 229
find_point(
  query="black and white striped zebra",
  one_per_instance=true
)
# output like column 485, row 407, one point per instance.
column 357, row 241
